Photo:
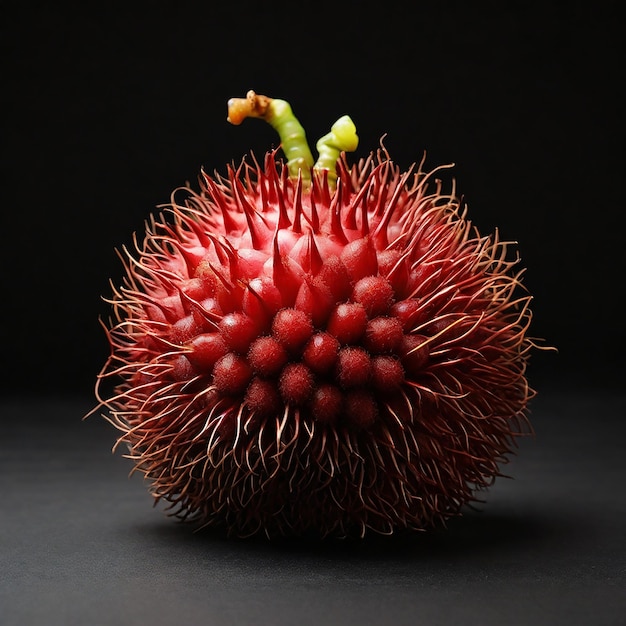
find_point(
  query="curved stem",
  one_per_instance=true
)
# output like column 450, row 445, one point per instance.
column 279, row 115
column 342, row 137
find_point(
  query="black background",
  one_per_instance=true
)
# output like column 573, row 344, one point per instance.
column 106, row 111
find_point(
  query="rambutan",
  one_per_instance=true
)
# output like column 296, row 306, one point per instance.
column 312, row 347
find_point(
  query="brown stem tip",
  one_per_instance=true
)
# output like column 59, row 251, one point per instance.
column 253, row 105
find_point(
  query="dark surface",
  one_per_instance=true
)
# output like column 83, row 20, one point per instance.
column 81, row 544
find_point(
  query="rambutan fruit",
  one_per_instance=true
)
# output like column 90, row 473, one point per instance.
column 312, row 347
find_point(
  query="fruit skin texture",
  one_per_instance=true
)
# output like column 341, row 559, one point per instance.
column 293, row 359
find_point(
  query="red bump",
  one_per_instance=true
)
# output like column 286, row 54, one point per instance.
column 316, row 300
column 394, row 268
column 182, row 369
column 231, row 374
column 326, row 404
column 266, row 356
column 262, row 398
column 288, row 275
column 360, row 408
column 250, row 263
column 347, row 322
column 196, row 289
column 261, row 299
column 206, row 350
column 374, row 293
column 383, row 335
column 296, row 383
column 320, row 353
column 360, row 260
column 335, row 275
column 205, row 273
column 207, row 310
column 238, row 330
column 184, row 329
column 172, row 308
column 414, row 352
column 353, row 367
column 292, row 328
column 419, row 280
column 407, row 312
column 387, row 374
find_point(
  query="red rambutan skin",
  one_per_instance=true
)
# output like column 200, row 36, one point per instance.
column 294, row 359
column 267, row 356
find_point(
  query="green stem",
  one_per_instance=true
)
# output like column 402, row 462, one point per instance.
column 342, row 137
column 279, row 115
column 292, row 139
